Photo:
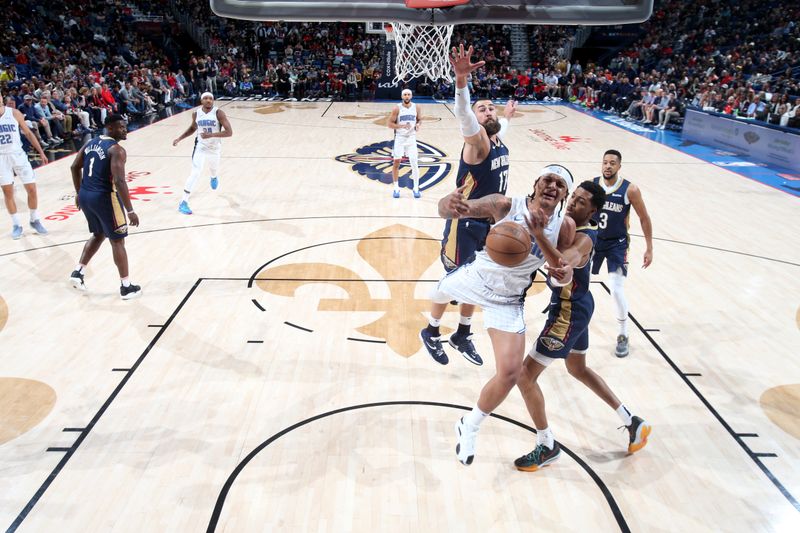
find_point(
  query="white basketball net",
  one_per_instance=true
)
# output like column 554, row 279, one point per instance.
column 422, row 50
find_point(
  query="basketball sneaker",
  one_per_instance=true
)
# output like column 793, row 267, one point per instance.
column 417, row 194
column 540, row 457
column 463, row 343
column 466, row 434
column 434, row 346
column 214, row 183
column 130, row 292
column 16, row 232
column 38, row 227
column 639, row 430
column 396, row 194
column 76, row 278
column 622, row 346
column 184, row 208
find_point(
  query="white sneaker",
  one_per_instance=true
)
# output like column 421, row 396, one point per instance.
column 466, row 435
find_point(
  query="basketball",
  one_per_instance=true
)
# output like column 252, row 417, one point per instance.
column 508, row 244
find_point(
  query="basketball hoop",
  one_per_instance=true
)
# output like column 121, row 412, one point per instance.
column 422, row 49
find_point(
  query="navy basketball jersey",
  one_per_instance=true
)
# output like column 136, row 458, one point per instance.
column 466, row 236
column 490, row 176
column 97, row 165
column 579, row 286
column 613, row 219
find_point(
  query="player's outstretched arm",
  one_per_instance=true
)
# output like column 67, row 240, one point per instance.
column 572, row 257
column 635, row 196
column 508, row 114
column 474, row 135
column 189, row 131
column 494, row 206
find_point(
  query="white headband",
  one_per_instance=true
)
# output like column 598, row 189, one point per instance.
column 559, row 171
column 206, row 94
column 406, row 91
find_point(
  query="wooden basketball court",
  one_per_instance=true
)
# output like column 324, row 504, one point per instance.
column 271, row 377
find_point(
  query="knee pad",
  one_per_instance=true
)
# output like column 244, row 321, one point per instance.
column 616, row 280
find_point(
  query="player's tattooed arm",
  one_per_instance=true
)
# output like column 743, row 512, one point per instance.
column 493, row 206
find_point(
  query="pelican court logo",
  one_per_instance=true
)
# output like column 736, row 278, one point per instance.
column 374, row 161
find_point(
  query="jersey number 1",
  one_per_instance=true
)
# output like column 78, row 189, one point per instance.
column 91, row 166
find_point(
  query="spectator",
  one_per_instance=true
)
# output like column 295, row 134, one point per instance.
column 551, row 82
column 38, row 125
column 670, row 111
column 44, row 113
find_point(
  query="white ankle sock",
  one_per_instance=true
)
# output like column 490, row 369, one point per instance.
column 466, row 320
column 15, row 219
column 434, row 322
column 125, row 282
column 475, row 417
column 545, row 436
column 34, row 215
column 80, row 267
column 185, row 196
column 624, row 415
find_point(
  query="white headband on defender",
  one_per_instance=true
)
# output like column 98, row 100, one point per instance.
column 206, row 94
column 406, row 91
column 559, row 171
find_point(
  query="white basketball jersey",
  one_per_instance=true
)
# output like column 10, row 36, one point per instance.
column 514, row 281
column 208, row 123
column 10, row 141
column 407, row 115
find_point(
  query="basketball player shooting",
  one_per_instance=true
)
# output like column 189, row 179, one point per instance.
column 500, row 290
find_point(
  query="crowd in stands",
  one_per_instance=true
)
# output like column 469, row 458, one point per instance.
column 301, row 60
column 67, row 68
column 737, row 58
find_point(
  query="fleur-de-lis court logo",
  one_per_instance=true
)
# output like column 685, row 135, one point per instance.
column 374, row 161
column 401, row 255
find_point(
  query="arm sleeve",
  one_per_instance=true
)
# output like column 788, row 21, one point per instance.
column 503, row 127
column 466, row 118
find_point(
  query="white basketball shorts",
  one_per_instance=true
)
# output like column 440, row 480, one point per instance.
column 15, row 164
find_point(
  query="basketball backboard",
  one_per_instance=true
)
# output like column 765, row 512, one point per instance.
column 583, row 12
